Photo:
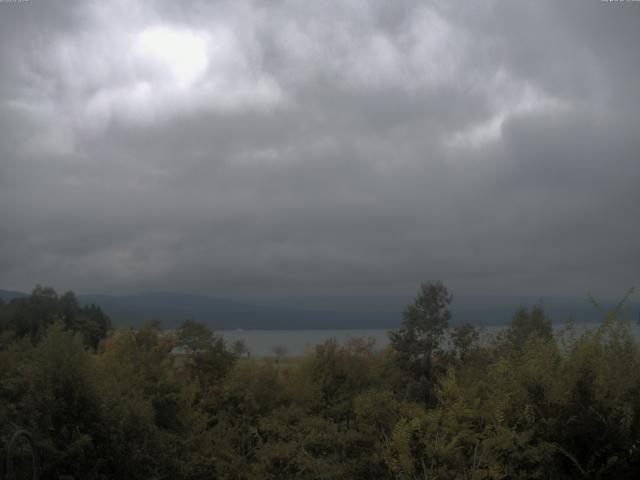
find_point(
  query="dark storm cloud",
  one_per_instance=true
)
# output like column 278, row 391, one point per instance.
column 319, row 148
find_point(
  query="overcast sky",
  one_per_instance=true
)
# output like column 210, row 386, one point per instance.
column 250, row 148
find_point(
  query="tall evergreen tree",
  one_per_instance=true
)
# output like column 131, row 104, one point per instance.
column 418, row 339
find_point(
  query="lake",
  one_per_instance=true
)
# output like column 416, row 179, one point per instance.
column 299, row 342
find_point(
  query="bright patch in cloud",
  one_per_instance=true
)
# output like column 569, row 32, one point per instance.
column 182, row 53
column 510, row 98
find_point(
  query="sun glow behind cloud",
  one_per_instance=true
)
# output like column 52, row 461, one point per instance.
column 181, row 53
column 143, row 71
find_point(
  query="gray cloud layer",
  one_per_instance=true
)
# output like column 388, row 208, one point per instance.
column 239, row 148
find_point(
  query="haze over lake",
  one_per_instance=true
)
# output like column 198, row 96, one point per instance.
column 298, row 342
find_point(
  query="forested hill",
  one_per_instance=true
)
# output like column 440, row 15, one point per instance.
column 172, row 308
column 218, row 313
column 7, row 295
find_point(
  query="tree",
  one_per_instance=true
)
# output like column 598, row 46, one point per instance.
column 194, row 336
column 209, row 358
column 240, row 349
column 144, row 403
column 419, row 337
column 57, row 401
column 464, row 339
column 32, row 316
column 93, row 323
column 279, row 351
column 527, row 323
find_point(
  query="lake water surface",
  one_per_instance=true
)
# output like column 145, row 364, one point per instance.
column 299, row 342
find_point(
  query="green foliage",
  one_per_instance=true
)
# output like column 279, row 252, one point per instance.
column 30, row 317
column 419, row 339
column 527, row 323
column 207, row 357
column 148, row 404
column 334, row 376
column 464, row 340
column 50, row 389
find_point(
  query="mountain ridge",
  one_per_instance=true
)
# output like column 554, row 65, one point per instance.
column 171, row 308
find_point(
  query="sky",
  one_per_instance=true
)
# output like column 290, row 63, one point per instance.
column 253, row 149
